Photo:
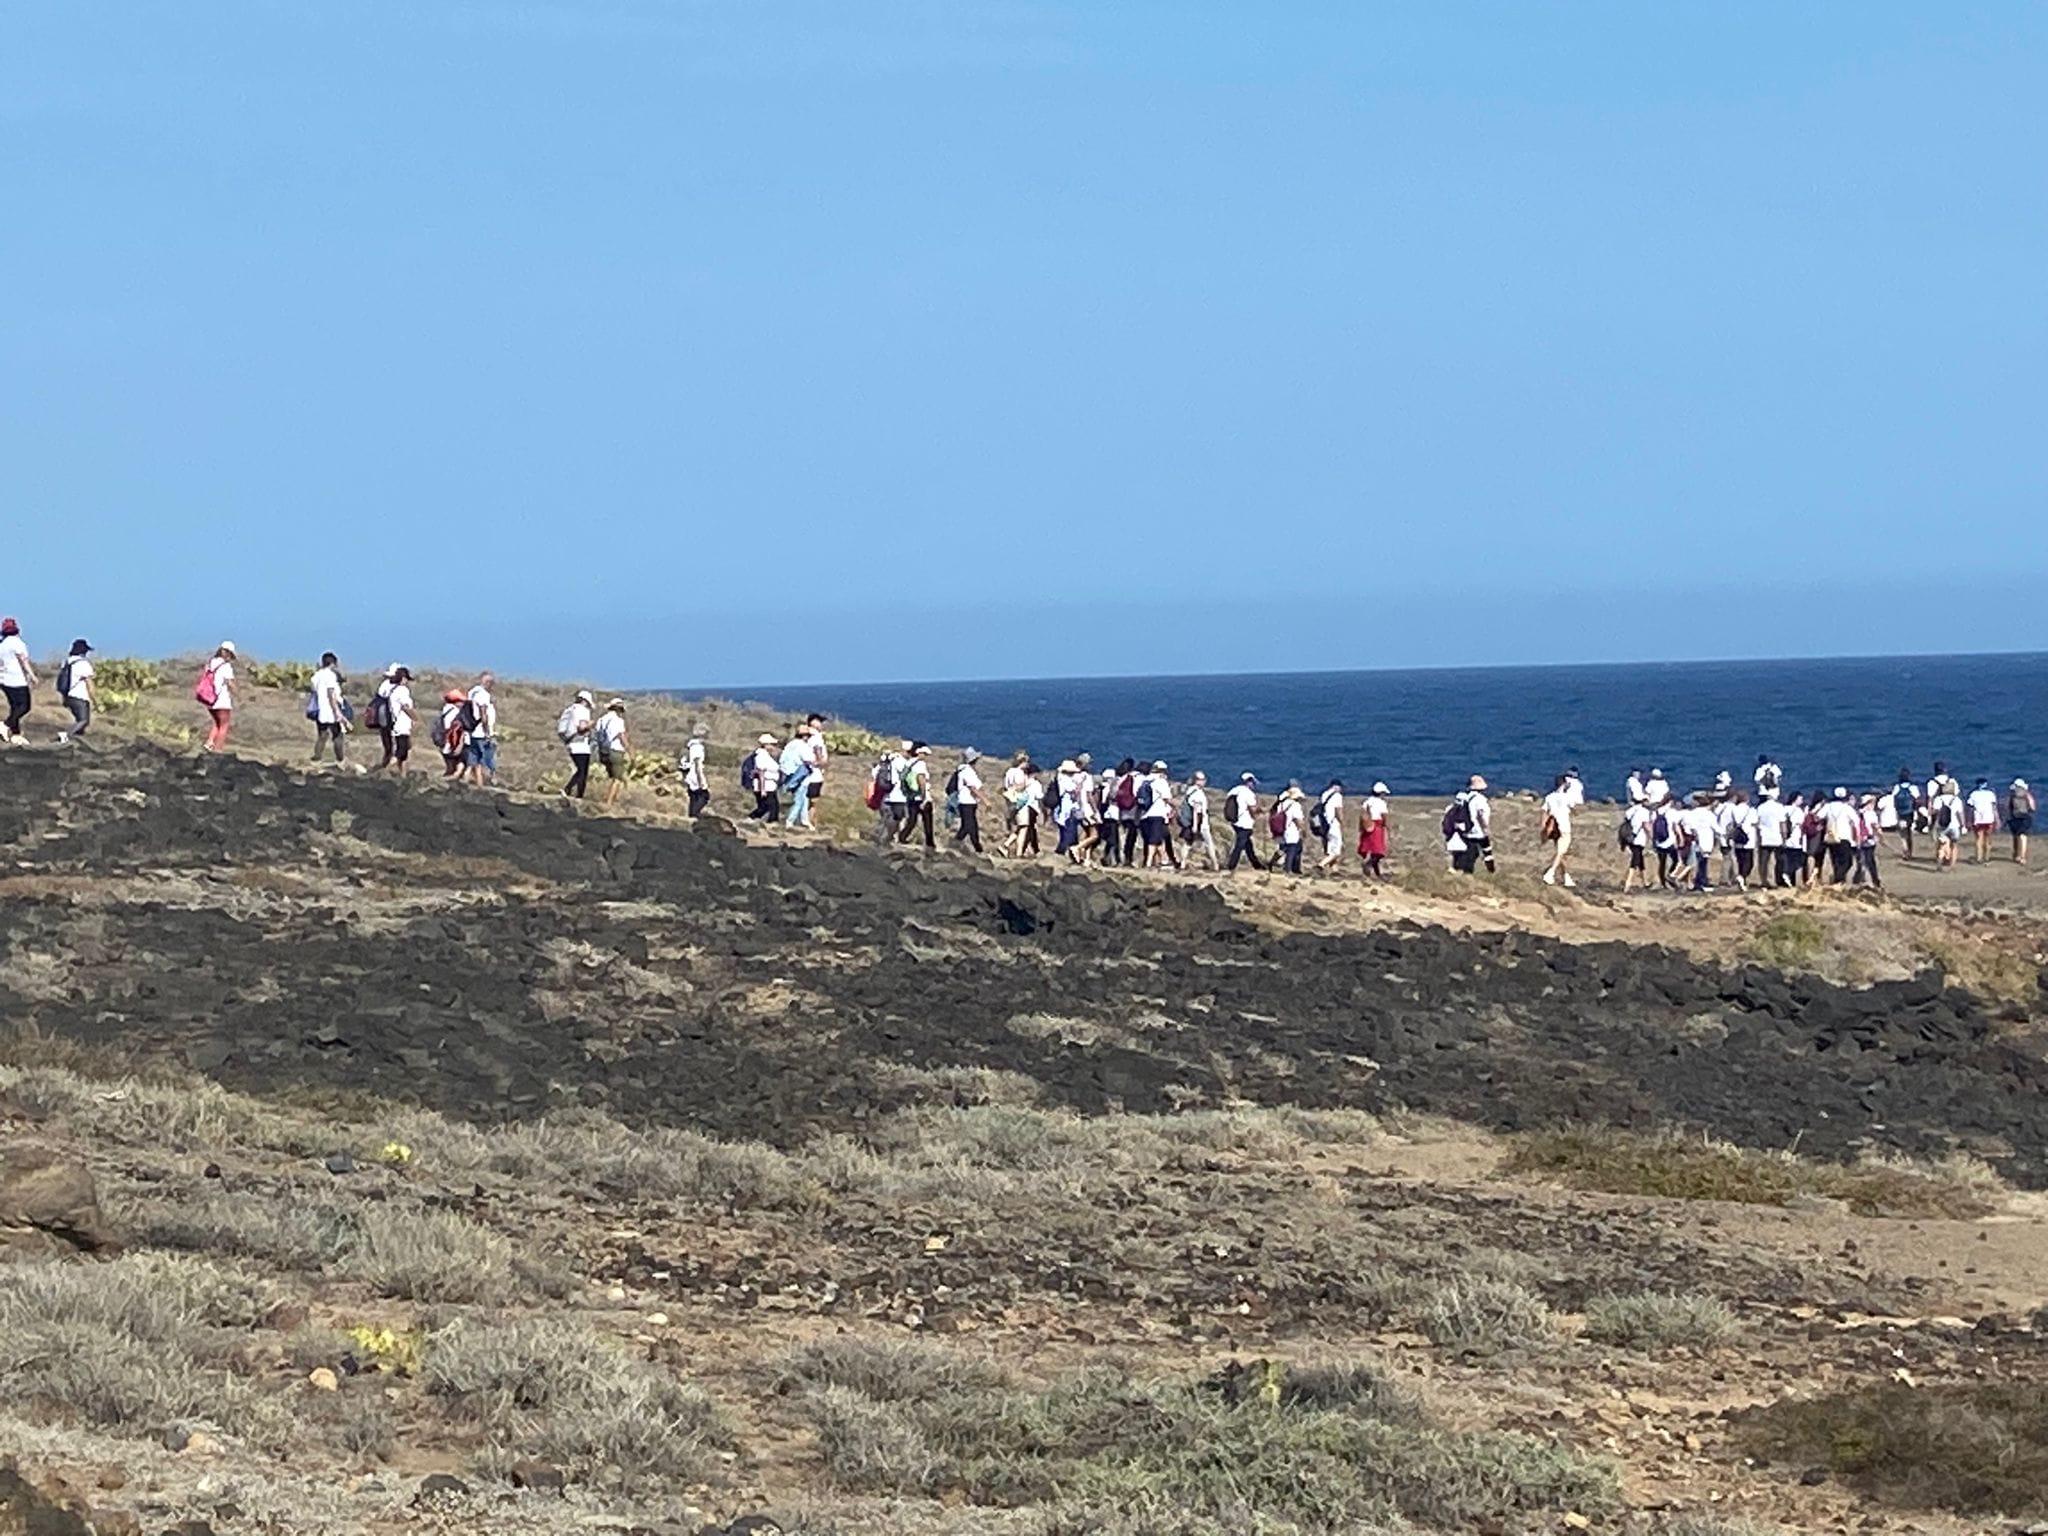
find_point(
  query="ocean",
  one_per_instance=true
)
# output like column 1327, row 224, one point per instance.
column 1851, row 721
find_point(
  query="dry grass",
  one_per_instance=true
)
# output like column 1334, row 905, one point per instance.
column 1333, row 1455
column 1975, row 1447
column 1683, row 1168
column 1658, row 1320
column 549, row 1388
column 1477, row 1316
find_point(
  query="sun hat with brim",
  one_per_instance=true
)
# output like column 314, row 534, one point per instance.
column 1159, row 767
column 1247, row 778
column 971, row 755
column 1841, row 792
column 1067, row 765
column 1380, row 789
column 619, row 704
column 2019, row 783
column 766, row 739
column 583, row 697
column 80, row 647
column 228, row 646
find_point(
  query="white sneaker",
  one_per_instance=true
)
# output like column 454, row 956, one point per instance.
column 1550, row 879
column 1570, row 884
column 62, row 737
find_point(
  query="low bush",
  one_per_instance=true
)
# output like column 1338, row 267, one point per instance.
column 1789, row 941
column 546, row 1388
column 1654, row 1320
column 1478, row 1316
column 1975, row 1447
column 1687, row 1168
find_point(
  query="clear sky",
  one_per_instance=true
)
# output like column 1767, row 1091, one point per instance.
column 694, row 343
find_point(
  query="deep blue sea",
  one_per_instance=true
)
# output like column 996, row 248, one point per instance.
column 1850, row 721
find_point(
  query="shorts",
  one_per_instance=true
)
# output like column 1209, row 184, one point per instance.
column 615, row 766
column 1153, row 830
column 481, row 754
column 1635, row 856
column 401, row 747
column 1333, row 841
column 2021, row 825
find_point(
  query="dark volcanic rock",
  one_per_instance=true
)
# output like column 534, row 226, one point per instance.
column 787, row 987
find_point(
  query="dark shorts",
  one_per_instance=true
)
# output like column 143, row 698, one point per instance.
column 401, row 747
column 1635, row 857
column 2021, row 825
column 1153, row 830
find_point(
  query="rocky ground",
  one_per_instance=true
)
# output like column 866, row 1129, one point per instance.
column 462, row 1160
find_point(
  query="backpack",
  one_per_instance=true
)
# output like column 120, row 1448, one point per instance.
column 747, row 774
column 377, row 713
column 1768, row 777
column 1457, row 819
column 1625, row 834
column 565, row 725
column 880, row 783
column 64, row 681
column 1551, row 831
column 438, row 732
column 1127, row 792
column 953, row 785
column 1185, row 818
column 1276, row 821
column 1319, row 819
column 205, row 690
column 1660, row 826
column 313, row 707
column 1945, row 816
column 1144, row 797
column 466, row 717
column 1903, row 802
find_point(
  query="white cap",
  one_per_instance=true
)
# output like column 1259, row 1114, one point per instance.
column 1380, row 789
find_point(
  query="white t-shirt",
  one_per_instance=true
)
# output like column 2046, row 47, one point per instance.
column 1699, row 823
column 81, row 675
column 1198, row 810
column 1948, row 806
column 1983, row 808
column 967, row 786
column 1482, row 814
column 899, row 765
column 1375, row 809
column 580, row 723
column 768, row 772
column 1034, row 800
column 1161, row 804
column 610, row 731
column 13, row 663
column 1839, row 822
column 1574, row 790
column 1013, row 783
column 486, row 713
column 1636, row 821
column 1634, row 789
column 400, row 699
column 1773, row 821
column 1244, row 805
column 1291, row 819
column 1768, row 776
column 1656, row 792
column 1111, row 811
column 1558, row 806
column 693, row 764
column 1333, row 806
column 223, row 672
column 326, row 687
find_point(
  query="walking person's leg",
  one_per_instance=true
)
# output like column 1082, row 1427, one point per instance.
column 81, row 719
column 390, row 745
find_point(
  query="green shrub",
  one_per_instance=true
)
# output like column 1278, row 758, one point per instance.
column 1478, row 1316
column 1789, row 941
column 1653, row 1320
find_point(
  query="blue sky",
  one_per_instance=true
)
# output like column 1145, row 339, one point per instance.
column 684, row 343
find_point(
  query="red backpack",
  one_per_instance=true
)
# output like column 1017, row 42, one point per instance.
column 1276, row 823
column 1127, row 792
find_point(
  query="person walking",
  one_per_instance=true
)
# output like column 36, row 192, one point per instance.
column 1868, row 835
column 1066, row 809
column 1328, row 824
column 1906, row 812
column 1841, row 833
column 1634, row 837
column 1557, row 830
column 1242, row 805
column 966, row 794
column 1372, row 833
column 480, row 732
column 17, row 681
column 696, row 770
column 1700, row 826
column 448, row 732
column 325, row 707
column 1665, row 837
column 74, row 687
column 762, row 774
column 2019, row 819
column 821, row 754
column 614, row 748
column 1657, row 790
column 1947, row 816
column 404, row 717
column 917, row 795
column 1291, row 818
column 215, row 692
column 796, row 766
column 1983, row 809
column 1735, row 827
column 377, row 716
column 575, row 728
column 1769, row 831
column 1792, row 871
column 1769, row 777
column 1155, row 818
column 1481, row 813
column 1194, row 821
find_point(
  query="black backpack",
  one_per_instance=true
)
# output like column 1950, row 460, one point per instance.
column 64, row 681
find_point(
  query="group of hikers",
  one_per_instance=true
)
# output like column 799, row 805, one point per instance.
column 1134, row 814
column 1766, row 834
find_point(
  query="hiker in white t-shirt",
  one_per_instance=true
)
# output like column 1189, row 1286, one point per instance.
column 1155, row 818
column 1983, row 808
column 1768, row 776
column 916, row 783
column 324, row 706
column 1868, row 835
column 821, row 754
column 1242, row 804
column 378, row 716
column 796, row 768
column 1292, row 819
column 1557, row 830
column 966, row 797
column 17, row 680
column 763, row 769
column 696, row 770
column 1841, row 830
column 215, row 690
column 1701, row 829
column 1018, row 802
column 1328, row 823
column 1574, row 787
column 1372, row 832
column 404, row 716
column 1771, row 824
column 1479, row 811
column 480, row 740
column 74, row 682
column 1735, row 827
column 1657, row 791
column 1194, row 820
column 2019, row 819
column 574, row 727
column 614, row 748
column 1946, row 813
column 1634, row 835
